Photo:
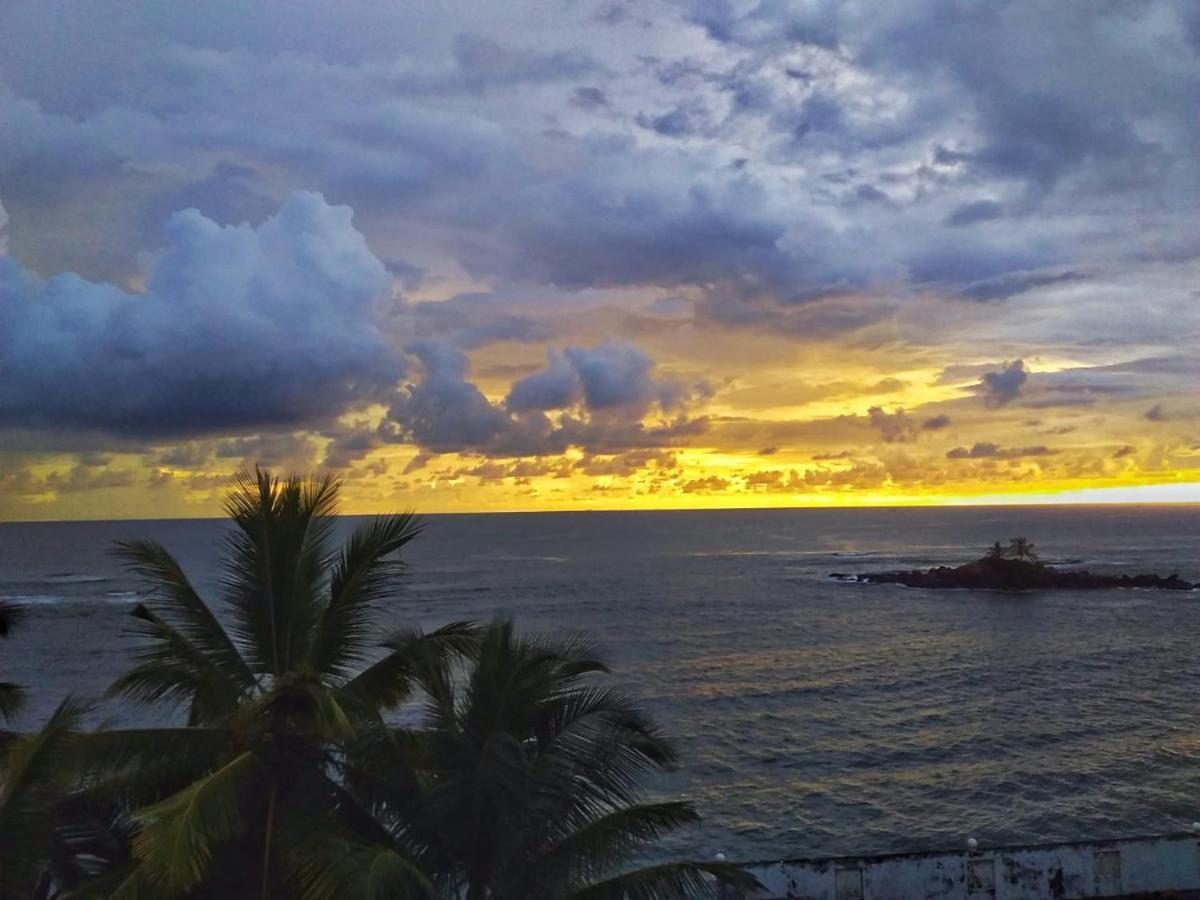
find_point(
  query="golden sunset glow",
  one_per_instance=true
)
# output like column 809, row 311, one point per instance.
column 705, row 258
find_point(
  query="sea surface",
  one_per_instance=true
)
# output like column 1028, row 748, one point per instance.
column 814, row 717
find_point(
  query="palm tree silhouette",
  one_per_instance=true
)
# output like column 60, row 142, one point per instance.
column 526, row 784
column 230, row 803
column 286, row 780
column 1022, row 549
column 35, row 772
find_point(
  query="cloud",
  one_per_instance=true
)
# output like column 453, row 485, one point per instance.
column 895, row 427
column 613, row 375
column 589, row 98
column 1013, row 283
column 599, row 396
column 239, row 327
column 1124, row 451
column 1002, row 387
column 444, row 412
column 988, row 450
column 936, row 423
column 557, row 386
column 1154, row 413
column 475, row 320
column 484, row 63
column 974, row 212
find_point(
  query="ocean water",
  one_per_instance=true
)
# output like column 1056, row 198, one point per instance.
column 814, row 717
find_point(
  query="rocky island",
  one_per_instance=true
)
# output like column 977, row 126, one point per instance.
column 1017, row 568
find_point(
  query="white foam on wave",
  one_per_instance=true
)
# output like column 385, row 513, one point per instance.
column 31, row 599
column 72, row 578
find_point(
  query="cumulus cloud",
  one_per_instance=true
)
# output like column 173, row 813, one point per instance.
column 557, row 386
column 936, row 423
column 599, row 395
column 894, row 427
column 1002, row 387
column 613, row 375
column 238, row 327
column 623, row 150
column 444, row 412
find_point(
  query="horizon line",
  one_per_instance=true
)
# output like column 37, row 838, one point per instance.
column 849, row 507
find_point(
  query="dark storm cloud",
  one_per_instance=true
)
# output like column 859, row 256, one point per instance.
column 1002, row 387
column 238, row 327
column 788, row 168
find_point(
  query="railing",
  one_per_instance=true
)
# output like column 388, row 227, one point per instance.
column 1162, row 864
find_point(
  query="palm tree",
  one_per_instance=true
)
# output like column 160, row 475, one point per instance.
column 35, row 773
column 237, row 801
column 526, row 783
column 996, row 552
column 1022, row 549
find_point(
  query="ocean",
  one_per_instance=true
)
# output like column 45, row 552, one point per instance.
column 814, row 716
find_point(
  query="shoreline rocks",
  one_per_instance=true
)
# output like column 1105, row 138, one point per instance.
column 1017, row 575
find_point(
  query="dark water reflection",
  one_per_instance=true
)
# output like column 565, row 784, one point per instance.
column 815, row 717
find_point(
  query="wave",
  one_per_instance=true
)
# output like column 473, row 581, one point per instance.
column 73, row 578
column 32, row 599
column 40, row 599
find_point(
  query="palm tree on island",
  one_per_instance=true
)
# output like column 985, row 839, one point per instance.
column 286, row 777
column 1021, row 549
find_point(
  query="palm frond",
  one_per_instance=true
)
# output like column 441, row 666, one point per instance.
column 592, row 850
column 10, row 614
column 178, row 836
column 140, row 766
column 35, row 772
column 365, row 573
column 333, row 869
column 275, row 566
column 179, row 604
column 669, row 881
column 12, row 697
column 415, row 659
column 130, row 882
column 172, row 669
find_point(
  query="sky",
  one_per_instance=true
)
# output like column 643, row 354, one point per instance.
column 596, row 254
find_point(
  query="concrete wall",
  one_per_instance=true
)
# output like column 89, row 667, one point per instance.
column 1163, row 863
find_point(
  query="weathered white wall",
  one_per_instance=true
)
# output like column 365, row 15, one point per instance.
column 1083, row 869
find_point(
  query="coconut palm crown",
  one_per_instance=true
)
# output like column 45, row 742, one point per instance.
column 238, row 799
column 529, row 781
